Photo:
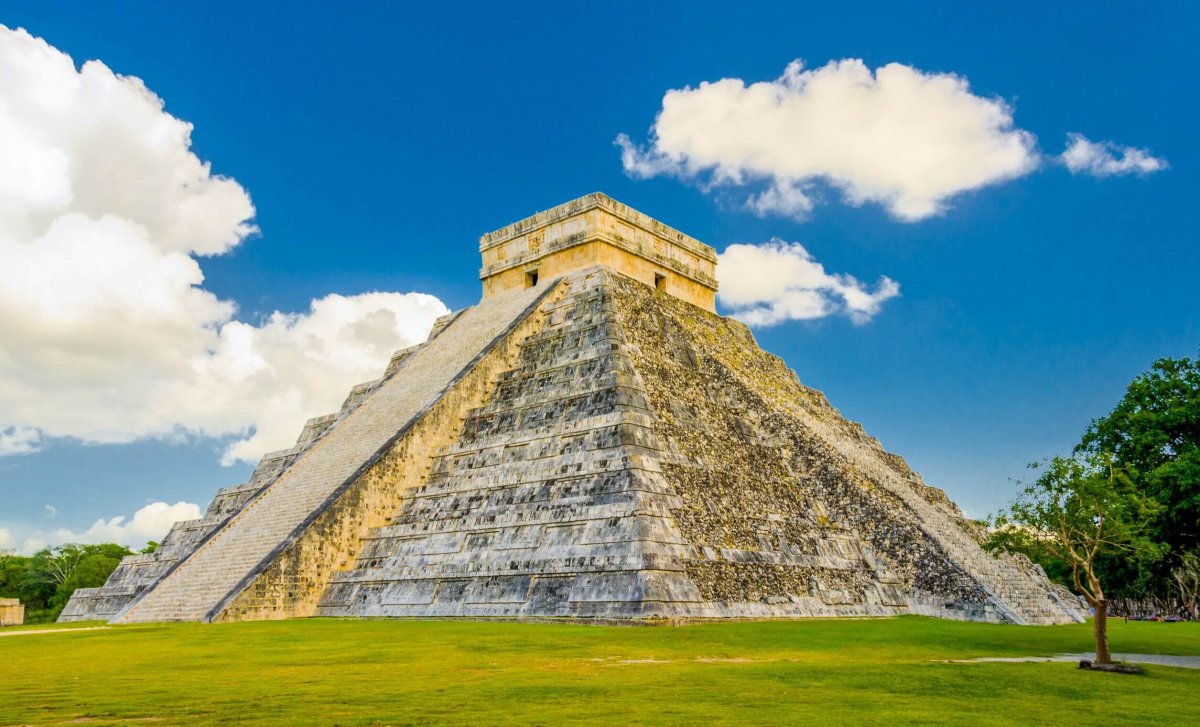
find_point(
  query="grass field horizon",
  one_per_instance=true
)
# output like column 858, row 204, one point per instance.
column 360, row 671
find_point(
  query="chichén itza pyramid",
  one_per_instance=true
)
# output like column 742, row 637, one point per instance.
column 590, row 441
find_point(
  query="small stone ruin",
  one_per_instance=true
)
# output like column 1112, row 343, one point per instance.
column 12, row 613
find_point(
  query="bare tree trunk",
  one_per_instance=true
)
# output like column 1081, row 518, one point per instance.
column 1100, row 625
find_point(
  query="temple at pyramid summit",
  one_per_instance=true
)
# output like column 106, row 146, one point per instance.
column 591, row 441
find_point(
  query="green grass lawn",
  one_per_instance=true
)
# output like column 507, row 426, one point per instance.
column 400, row 672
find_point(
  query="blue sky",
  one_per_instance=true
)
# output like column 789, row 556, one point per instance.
column 378, row 142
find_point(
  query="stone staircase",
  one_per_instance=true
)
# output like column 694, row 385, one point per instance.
column 136, row 573
column 544, row 505
column 196, row 588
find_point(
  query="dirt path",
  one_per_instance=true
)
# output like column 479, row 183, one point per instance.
column 1187, row 662
column 30, row 632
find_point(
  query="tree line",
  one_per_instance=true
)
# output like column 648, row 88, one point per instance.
column 1119, row 517
column 45, row 580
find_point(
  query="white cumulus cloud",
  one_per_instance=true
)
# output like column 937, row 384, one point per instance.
column 768, row 284
column 149, row 523
column 898, row 137
column 309, row 362
column 18, row 440
column 1106, row 159
column 107, row 333
column 786, row 200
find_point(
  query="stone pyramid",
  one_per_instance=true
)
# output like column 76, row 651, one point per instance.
column 590, row 441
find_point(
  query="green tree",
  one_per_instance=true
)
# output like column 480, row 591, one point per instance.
column 45, row 580
column 1019, row 540
column 19, row 580
column 1187, row 579
column 1078, row 509
column 1154, row 434
column 21, row 577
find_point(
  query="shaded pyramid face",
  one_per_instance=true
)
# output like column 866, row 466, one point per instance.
column 590, row 447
